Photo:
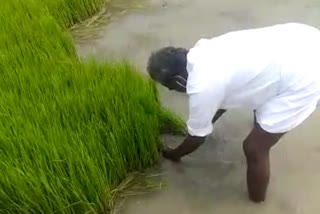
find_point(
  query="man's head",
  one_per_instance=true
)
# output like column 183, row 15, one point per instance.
column 168, row 66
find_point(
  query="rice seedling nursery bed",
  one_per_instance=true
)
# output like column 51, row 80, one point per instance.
column 70, row 131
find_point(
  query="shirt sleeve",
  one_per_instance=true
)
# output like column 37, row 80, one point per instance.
column 202, row 108
column 206, row 88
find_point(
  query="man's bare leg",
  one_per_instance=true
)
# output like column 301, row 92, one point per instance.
column 256, row 148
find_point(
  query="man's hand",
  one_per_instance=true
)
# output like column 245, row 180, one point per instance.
column 168, row 153
column 190, row 144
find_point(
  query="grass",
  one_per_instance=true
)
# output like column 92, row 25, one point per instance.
column 90, row 28
column 70, row 131
column 135, row 184
column 170, row 123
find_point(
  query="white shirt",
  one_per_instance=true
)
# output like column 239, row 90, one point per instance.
column 274, row 70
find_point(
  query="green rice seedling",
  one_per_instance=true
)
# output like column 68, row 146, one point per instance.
column 69, row 12
column 70, row 131
column 171, row 123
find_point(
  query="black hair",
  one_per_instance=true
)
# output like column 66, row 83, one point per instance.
column 166, row 63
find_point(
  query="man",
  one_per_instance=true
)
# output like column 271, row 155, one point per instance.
column 274, row 71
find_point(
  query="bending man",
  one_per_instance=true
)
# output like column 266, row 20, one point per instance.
column 274, row 71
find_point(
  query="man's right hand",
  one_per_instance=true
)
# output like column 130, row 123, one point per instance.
column 169, row 154
column 189, row 145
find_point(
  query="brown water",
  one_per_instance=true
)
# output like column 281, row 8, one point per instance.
column 212, row 180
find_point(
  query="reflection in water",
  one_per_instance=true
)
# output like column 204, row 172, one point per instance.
column 212, row 180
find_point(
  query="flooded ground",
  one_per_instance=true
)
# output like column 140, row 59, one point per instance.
column 212, row 180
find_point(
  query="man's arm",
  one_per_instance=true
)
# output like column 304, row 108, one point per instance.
column 202, row 113
column 219, row 113
column 190, row 144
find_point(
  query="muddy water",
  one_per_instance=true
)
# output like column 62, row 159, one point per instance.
column 212, row 180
